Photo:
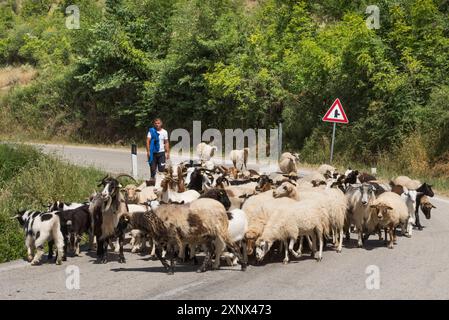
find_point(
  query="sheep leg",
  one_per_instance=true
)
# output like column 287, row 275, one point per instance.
column 394, row 235
column 102, row 250
column 50, row 250
column 37, row 257
column 161, row 259
column 61, row 245
column 30, row 248
column 320, row 241
column 143, row 246
column 152, row 246
column 290, row 247
column 417, row 223
column 121, row 240
column 207, row 258
column 286, row 248
column 391, row 232
column 77, row 244
column 340, row 241
column 379, row 232
column 219, row 247
column 171, row 251
column 91, row 240
column 235, row 249
column 192, row 255
column 359, row 238
column 312, row 243
column 245, row 253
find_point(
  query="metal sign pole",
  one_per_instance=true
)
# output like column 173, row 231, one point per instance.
column 332, row 145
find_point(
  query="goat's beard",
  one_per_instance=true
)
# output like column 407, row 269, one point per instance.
column 108, row 204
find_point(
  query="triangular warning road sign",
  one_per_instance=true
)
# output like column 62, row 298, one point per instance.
column 336, row 113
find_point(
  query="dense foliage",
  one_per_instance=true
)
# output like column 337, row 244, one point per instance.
column 236, row 63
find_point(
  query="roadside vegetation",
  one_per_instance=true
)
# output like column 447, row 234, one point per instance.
column 29, row 180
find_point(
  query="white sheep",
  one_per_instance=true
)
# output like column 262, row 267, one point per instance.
column 333, row 199
column 139, row 194
column 290, row 219
column 316, row 178
column 238, row 226
column 401, row 181
column 257, row 218
column 239, row 157
column 166, row 194
column 390, row 211
column 205, row 151
column 241, row 190
column 287, row 162
column 327, row 170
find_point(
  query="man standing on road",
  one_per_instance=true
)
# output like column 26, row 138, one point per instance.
column 158, row 149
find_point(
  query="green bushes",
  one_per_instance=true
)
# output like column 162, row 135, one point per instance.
column 29, row 179
column 231, row 65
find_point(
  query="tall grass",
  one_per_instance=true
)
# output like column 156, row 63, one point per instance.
column 30, row 179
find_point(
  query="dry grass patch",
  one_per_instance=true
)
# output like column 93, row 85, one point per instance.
column 11, row 76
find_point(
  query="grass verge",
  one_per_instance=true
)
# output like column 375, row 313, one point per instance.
column 29, row 179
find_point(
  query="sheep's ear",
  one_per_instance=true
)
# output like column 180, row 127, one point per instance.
column 138, row 190
column 389, row 208
column 374, row 206
column 433, row 206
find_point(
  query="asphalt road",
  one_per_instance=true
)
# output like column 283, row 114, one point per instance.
column 416, row 268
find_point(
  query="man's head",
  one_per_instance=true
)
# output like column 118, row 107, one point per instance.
column 157, row 123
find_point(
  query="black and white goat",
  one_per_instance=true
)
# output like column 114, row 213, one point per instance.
column 40, row 227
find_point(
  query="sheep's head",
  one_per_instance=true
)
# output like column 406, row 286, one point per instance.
column 381, row 210
column 367, row 190
column 426, row 207
column 262, row 248
column 223, row 198
column 318, row 183
column 21, row 216
column 284, row 190
column 131, row 191
column 264, row 184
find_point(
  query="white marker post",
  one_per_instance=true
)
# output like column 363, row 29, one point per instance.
column 335, row 114
column 280, row 139
column 134, row 160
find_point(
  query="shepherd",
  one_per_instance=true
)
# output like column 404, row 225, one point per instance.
column 158, row 149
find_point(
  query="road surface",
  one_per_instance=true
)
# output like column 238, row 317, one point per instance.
column 416, row 268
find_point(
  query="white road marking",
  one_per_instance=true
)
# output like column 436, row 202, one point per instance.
column 175, row 291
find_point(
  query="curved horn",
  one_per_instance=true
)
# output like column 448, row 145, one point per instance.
column 124, row 175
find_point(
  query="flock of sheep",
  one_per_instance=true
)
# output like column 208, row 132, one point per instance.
column 232, row 213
